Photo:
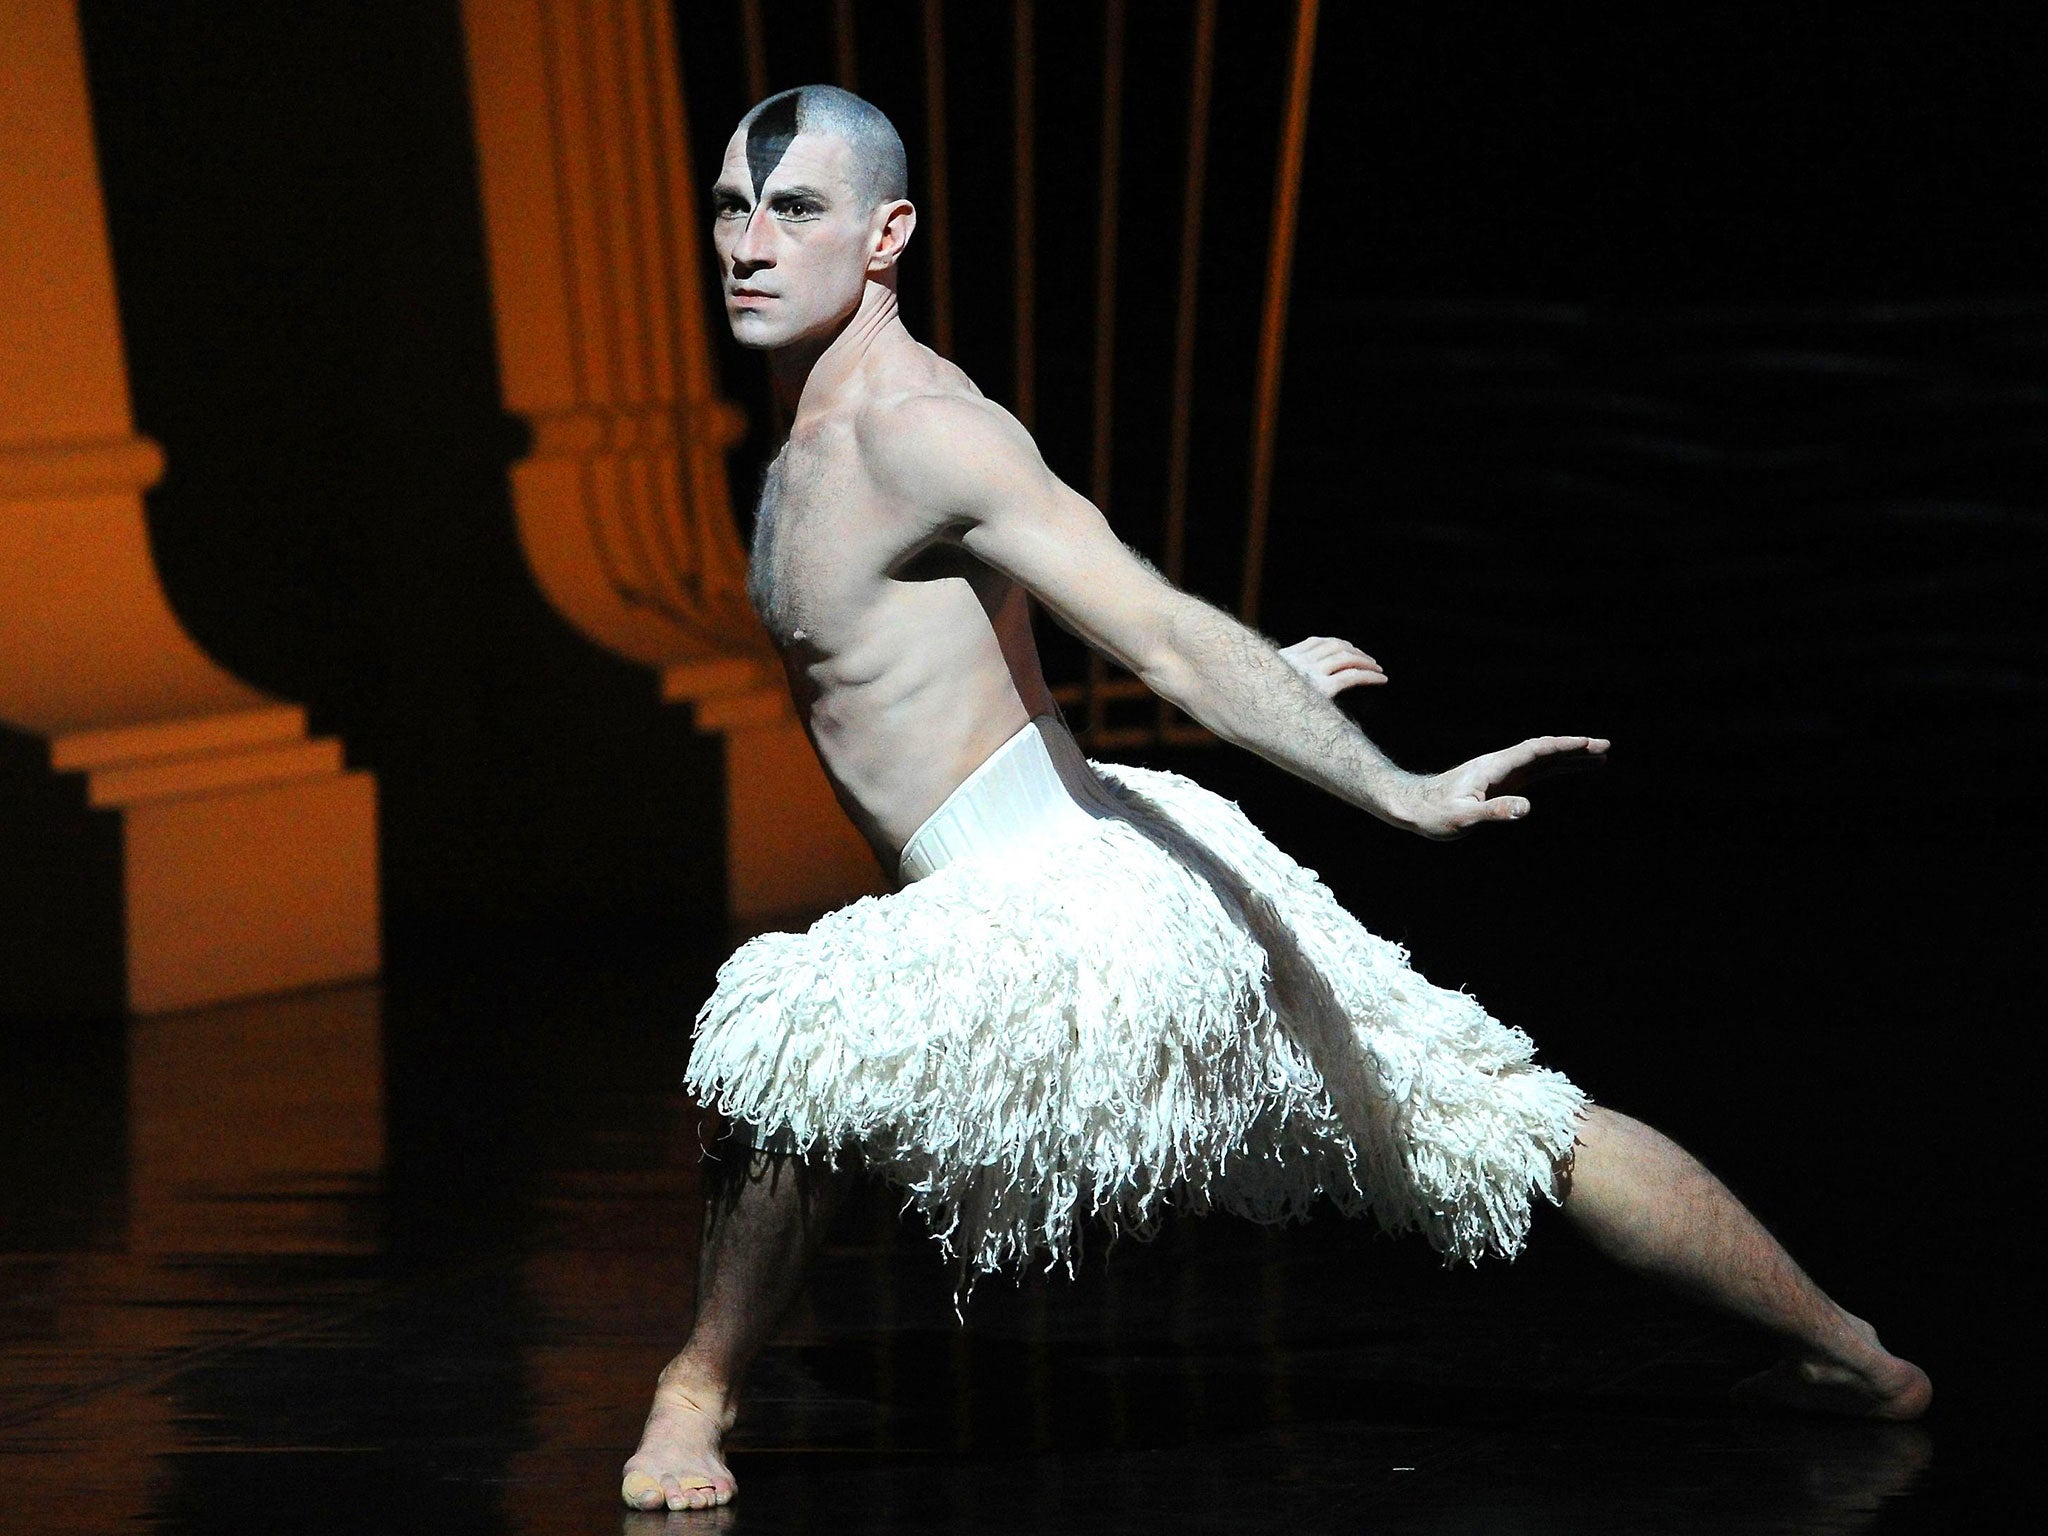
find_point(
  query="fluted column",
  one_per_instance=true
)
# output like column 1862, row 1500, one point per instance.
column 592, row 227
column 169, row 835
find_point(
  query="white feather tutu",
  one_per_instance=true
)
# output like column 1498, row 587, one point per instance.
column 1150, row 1005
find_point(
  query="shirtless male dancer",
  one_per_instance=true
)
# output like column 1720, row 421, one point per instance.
column 902, row 531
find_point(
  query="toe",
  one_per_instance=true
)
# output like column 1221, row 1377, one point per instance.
column 642, row 1491
column 687, row 1492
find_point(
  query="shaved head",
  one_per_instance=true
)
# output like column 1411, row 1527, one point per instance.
column 879, row 171
column 808, row 213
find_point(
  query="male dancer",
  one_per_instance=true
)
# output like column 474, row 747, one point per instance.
column 902, row 530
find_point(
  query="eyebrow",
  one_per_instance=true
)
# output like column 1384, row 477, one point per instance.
column 740, row 193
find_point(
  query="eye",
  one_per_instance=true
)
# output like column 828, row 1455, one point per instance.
column 728, row 208
column 797, row 208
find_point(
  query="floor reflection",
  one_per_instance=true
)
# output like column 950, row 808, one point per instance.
column 409, row 1260
column 227, row 1182
column 258, row 1128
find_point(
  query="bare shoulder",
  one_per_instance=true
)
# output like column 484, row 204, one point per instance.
column 945, row 446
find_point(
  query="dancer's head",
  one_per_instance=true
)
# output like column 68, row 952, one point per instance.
column 810, row 207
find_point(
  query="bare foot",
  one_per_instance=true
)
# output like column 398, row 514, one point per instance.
column 1879, row 1386
column 677, row 1465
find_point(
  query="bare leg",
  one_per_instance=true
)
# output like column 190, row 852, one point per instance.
column 766, row 1217
column 1647, row 1203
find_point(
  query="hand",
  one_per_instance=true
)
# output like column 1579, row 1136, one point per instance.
column 1450, row 804
column 1331, row 666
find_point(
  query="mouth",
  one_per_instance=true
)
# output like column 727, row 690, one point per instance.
column 750, row 293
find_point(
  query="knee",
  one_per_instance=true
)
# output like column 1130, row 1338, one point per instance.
column 1605, row 1141
column 1603, row 1128
column 811, row 1181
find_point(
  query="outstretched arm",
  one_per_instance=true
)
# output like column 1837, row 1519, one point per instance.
column 1224, row 674
column 974, row 467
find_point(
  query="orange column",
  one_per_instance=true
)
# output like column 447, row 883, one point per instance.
column 592, row 223
column 238, row 855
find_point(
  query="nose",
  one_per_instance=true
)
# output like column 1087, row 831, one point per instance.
column 751, row 252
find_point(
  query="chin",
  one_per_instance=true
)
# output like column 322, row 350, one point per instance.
column 752, row 332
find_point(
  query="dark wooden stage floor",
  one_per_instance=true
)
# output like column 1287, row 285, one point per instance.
column 406, row 1259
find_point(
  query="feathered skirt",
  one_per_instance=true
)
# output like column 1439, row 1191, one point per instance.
column 1103, row 992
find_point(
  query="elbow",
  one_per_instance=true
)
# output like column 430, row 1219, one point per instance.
column 1169, row 674
column 1165, row 662
column 1195, row 649
column 1189, row 687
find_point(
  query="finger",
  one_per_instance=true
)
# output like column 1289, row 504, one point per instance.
column 1558, row 745
column 1354, row 677
column 1536, row 749
column 1475, row 814
column 1589, row 752
column 1498, row 768
column 1313, row 656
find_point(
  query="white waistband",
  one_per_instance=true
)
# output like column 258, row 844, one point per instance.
column 1035, row 788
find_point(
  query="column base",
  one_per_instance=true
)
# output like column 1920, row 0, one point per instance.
column 191, row 862
column 790, row 851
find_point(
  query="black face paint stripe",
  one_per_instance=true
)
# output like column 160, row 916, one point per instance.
column 768, row 139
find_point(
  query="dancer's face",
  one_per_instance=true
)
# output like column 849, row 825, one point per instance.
column 796, row 246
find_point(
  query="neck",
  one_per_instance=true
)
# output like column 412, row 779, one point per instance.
column 818, row 365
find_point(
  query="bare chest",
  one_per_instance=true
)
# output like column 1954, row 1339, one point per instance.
column 816, row 553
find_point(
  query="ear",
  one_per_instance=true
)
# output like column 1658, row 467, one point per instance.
column 889, row 230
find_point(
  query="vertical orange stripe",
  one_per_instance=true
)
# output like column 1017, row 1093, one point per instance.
column 1024, row 99
column 1273, row 323
column 1109, row 194
column 847, row 57
column 1202, row 72
column 935, row 157
column 755, row 40
column 1201, row 82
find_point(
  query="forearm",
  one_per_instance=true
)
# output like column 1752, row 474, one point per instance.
column 1233, row 681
